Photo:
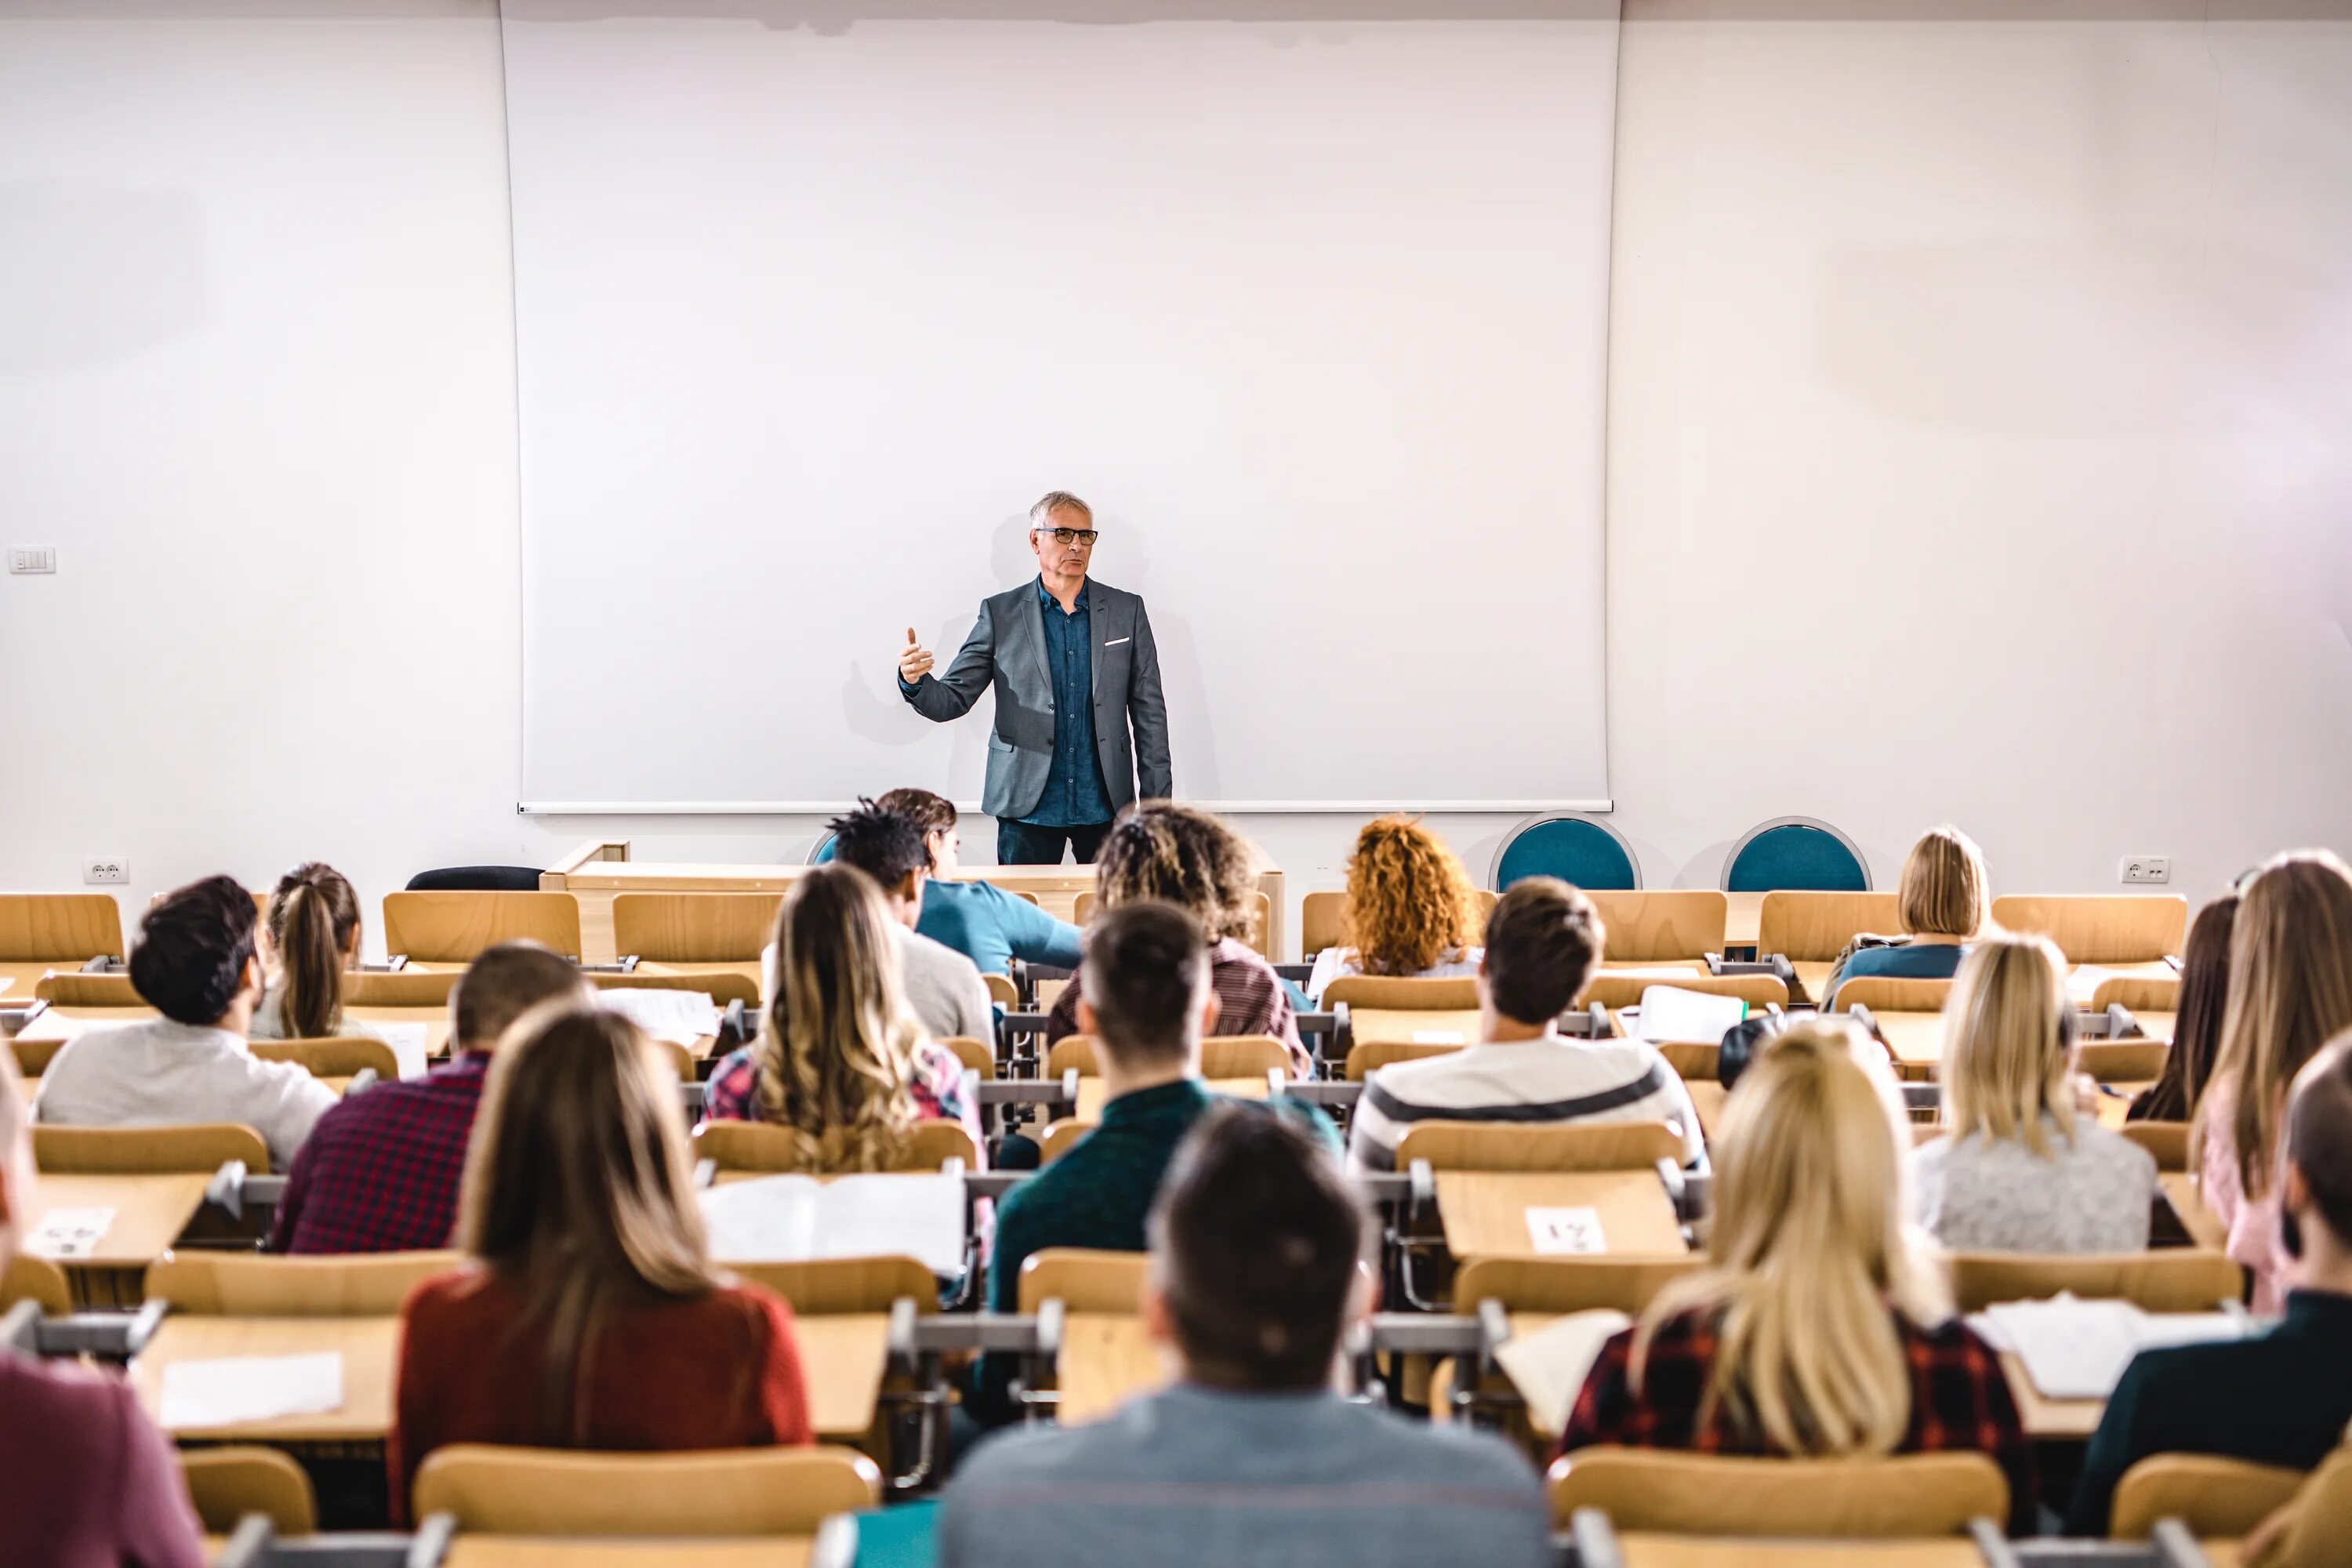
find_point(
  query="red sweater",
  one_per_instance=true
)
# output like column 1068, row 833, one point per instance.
column 723, row 1371
column 86, row 1481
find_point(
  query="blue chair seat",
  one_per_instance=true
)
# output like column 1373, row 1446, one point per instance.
column 1574, row 849
column 1796, row 856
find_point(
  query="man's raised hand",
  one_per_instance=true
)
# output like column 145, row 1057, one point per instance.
column 914, row 659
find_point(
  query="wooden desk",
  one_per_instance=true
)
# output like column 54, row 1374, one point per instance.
column 18, row 976
column 1390, row 1026
column 1484, row 1212
column 843, row 1355
column 434, row 1019
column 2203, row 1226
column 1813, row 979
column 1107, row 1359
column 2113, row 1108
column 535, row 1551
column 368, row 1346
column 1646, row 1551
column 1707, row 1097
column 2045, row 1420
column 1915, row 1039
column 1743, row 918
column 1090, row 1093
column 150, row 1213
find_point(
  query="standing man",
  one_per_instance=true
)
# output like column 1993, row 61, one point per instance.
column 1075, row 672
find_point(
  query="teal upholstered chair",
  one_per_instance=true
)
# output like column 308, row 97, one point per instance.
column 1795, row 853
column 1577, row 849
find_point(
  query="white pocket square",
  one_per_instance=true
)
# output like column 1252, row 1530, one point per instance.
column 1116, row 641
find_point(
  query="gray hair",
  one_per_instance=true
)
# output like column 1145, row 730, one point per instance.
column 1044, row 510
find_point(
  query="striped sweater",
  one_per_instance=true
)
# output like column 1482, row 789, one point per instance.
column 1539, row 1082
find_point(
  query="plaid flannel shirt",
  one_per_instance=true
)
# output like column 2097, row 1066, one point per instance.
column 380, row 1171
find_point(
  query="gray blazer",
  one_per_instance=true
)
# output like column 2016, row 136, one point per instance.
column 1007, row 649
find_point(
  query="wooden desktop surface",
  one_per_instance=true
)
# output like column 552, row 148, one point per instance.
column 1641, row 1550
column 150, row 1213
column 1106, row 1360
column 1484, row 1212
column 2065, row 1419
column 1090, row 1093
column 368, row 1346
column 2204, row 1226
column 1743, row 916
column 534, row 1551
column 843, row 1355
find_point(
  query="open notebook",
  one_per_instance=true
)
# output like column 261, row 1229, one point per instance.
column 2074, row 1349
column 790, row 1219
column 1549, row 1367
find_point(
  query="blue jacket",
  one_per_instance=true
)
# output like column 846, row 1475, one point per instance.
column 992, row 926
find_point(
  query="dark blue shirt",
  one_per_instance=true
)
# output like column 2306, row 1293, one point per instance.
column 1075, row 795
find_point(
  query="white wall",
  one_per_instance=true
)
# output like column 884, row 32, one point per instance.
column 1978, row 400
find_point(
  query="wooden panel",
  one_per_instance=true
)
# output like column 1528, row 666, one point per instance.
column 695, row 928
column 1322, row 918
column 1881, row 995
column 1106, row 1360
column 1379, row 1027
column 2167, row 1279
column 1815, row 927
column 1094, row 1094
column 1555, row 1286
column 1397, row 993
column 1641, row 1550
column 1614, row 991
column 1083, row 1280
column 827, row 1284
column 1366, row 1057
column 453, row 928
column 1559, row 1146
column 231, row 1284
column 527, row 1552
column 187, row 1149
column 366, row 1345
column 1484, row 1213
column 150, row 1213
column 68, row 989
column 2100, row 928
column 1643, row 927
column 66, row 927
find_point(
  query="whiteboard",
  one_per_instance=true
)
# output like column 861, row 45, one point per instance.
column 813, row 301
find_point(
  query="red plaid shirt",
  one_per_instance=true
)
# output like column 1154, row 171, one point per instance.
column 1250, row 1001
column 1960, row 1400
column 379, row 1172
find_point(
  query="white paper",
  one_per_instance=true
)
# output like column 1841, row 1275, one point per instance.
column 52, row 1025
column 1672, row 1014
column 239, row 1389
column 408, row 1042
column 1559, row 1231
column 681, row 1016
column 1548, row 1366
column 1437, row 1038
column 2074, row 1349
column 70, row 1233
column 790, row 1218
column 2084, row 982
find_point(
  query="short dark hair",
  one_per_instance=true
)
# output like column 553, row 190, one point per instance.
column 192, row 946
column 2319, row 1134
column 884, row 845
column 929, row 812
column 1146, row 970
column 1541, row 941
column 1256, row 1239
column 502, row 983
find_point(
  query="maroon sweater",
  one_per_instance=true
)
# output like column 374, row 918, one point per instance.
column 86, row 1481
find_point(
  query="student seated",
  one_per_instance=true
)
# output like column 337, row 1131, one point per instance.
column 380, row 1172
column 979, row 920
column 590, row 1315
column 193, row 962
column 2197, row 1021
column 1815, row 1330
column 1943, row 902
column 946, row 993
column 2021, row 1168
column 841, row 1059
column 86, row 1481
column 313, row 931
column 1411, row 910
column 2281, row 1397
column 1145, row 993
column 1158, row 850
column 2290, row 990
column 1541, row 942
column 1261, row 1259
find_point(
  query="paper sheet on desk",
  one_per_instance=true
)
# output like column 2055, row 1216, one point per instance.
column 70, row 1233
column 1548, row 1368
column 681, row 1016
column 1564, row 1231
column 407, row 1042
column 1670, row 1013
column 1652, row 972
column 2074, row 1349
column 788, row 1219
column 1437, row 1038
column 238, row 1389
column 2084, row 982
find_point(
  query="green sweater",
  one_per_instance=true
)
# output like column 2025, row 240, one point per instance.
column 1097, row 1196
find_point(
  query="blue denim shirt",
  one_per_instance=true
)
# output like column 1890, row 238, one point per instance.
column 1074, row 793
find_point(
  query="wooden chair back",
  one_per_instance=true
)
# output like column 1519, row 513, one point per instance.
column 2319, row 1519
column 334, row 1056
column 1881, row 995
column 453, row 928
column 1902, row 1495
column 2217, row 1499
column 2172, row 1279
column 722, row 986
column 1568, row 1284
column 1003, row 992
column 1060, row 1137
column 1644, row 927
column 1242, row 1056
column 1615, row 991
column 1397, row 993
column 975, row 1054
column 694, row 928
column 1567, row 1146
column 197, row 1148
column 226, row 1484
column 58, row 927
column 757, row 1146
column 2122, row 1061
column 2140, row 992
column 1073, row 1052
column 68, row 989
column 2166, row 1140
column 399, row 988
column 31, row 1278
column 34, row 1057
column 1365, row 1059
column 1083, row 1279
column 252, row 1285
column 1813, row 927
column 820, row 1286
column 739, row 1492
column 1323, row 918
column 2100, row 928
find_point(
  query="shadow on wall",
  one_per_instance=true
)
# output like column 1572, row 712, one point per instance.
column 94, row 273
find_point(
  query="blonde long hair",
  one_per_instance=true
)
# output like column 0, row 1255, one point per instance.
column 2007, row 1046
column 1807, row 1255
column 2290, row 990
column 1409, row 900
column 1945, row 889
column 579, row 1190
column 836, row 1056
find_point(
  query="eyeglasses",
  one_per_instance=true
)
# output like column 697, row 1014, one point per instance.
column 1085, row 536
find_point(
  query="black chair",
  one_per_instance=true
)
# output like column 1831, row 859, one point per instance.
column 477, row 879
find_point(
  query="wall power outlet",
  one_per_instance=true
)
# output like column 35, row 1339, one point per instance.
column 2148, row 868
column 106, row 871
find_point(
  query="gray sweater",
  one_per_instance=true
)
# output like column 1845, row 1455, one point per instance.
column 1981, row 1194
column 1191, row 1475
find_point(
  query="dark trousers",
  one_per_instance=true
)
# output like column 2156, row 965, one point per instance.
column 1024, row 843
